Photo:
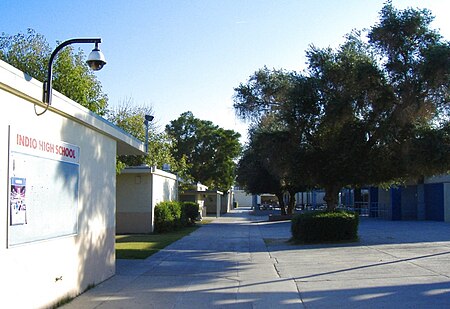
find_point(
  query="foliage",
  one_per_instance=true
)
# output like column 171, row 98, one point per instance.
column 371, row 112
column 209, row 150
column 253, row 176
column 164, row 217
column 173, row 215
column 318, row 226
column 119, row 166
column 30, row 53
column 130, row 117
column 353, row 97
column 189, row 212
column 266, row 164
column 175, row 208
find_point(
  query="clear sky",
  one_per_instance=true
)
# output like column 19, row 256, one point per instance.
column 178, row 55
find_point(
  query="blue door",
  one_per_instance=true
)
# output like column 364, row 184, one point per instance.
column 373, row 198
column 396, row 203
column 434, row 201
column 409, row 203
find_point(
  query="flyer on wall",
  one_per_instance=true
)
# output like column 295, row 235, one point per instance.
column 17, row 201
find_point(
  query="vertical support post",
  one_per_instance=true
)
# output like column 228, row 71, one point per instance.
column 146, row 136
column 218, row 204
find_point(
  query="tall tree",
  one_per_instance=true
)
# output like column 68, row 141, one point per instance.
column 30, row 53
column 346, row 145
column 271, row 153
column 416, row 62
column 368, row 112
column 210, row 151
column 284, row 106
column 254, row 177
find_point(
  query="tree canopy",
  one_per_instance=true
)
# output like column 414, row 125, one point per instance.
column 373, row 111
column 266, row 164
column 130, row 117
column 31, row 52
column 210, row 151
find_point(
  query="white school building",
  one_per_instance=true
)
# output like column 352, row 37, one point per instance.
column 58, row 187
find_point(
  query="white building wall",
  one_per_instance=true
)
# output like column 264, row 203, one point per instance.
column 134, row 202
column 39, row 273
column 164, row 186
column 139, row 190
column 243, row 199
column 134, row 192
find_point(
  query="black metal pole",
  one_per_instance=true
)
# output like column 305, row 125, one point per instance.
column 146, row 136
column 47, row 87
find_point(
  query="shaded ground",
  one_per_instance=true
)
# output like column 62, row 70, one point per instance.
column 240, row 261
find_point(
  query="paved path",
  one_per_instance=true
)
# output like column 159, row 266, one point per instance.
column 240, row 262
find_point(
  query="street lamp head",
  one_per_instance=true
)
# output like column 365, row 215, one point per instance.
column 96, row 59
column 149, row 117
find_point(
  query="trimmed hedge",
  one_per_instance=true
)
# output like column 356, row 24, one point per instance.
column 175, row 208
column 165, row 216
column 173, row 215
column 190, row 212
column 321, row 226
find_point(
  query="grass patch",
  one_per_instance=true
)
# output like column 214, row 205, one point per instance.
column 142, row 246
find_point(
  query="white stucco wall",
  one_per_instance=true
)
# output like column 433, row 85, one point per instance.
column 243, row 199
column 164, row 186
column 134, row 191
column 40, row 273
column 139, row 190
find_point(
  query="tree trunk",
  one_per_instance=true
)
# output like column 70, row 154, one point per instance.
column 281, row 203
column 290, row 209
column 332, row 196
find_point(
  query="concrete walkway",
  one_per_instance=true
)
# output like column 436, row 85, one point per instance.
column 238, row 261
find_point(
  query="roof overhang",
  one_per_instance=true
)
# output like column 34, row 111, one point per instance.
column 15, row 81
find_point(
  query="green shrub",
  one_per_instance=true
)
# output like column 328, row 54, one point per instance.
column 164, row 219
column 320, row 226
column 175, row 208
column 170, row 216
column 189, row 212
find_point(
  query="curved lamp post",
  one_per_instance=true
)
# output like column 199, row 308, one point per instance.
column 96, row 61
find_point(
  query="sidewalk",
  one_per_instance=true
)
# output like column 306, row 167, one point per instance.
column 239, row 261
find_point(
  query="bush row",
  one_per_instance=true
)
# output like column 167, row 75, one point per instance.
column 319, row 226
column 173, row 215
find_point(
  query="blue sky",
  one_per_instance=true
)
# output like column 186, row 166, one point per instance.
column 189, row 55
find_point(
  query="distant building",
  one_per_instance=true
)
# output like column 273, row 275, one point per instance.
column 139, row 190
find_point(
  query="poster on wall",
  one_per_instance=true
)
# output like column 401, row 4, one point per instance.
column 17, row 201
column 44, row 179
